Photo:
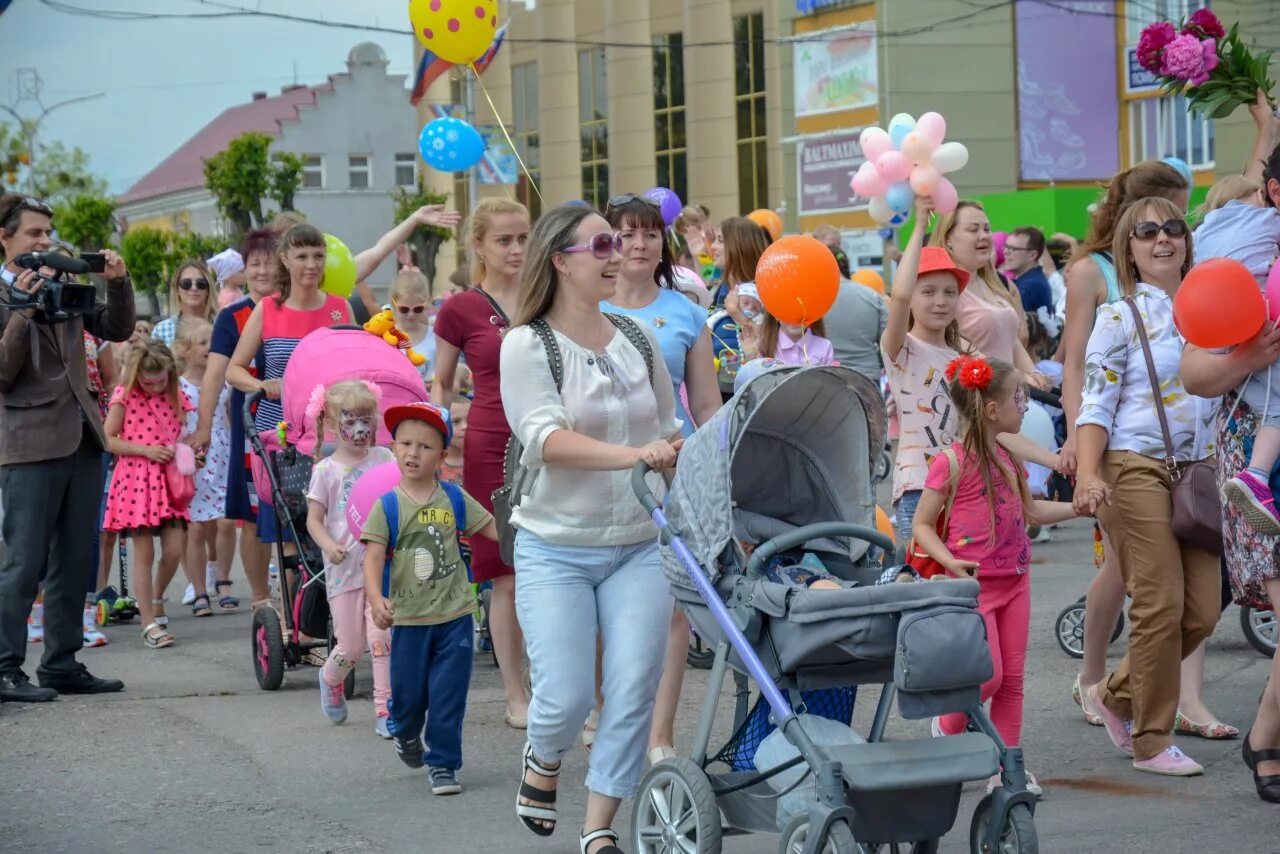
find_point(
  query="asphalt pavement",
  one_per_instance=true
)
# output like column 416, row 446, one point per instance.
column 193, row 756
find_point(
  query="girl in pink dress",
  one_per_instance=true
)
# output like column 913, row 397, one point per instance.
column 143, row 427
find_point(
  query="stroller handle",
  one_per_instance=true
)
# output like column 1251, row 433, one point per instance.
column 641, row 487
column 1052, row 398
column 249, row 401
column 766, row 550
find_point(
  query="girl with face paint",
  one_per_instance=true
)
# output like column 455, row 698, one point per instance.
column 347, row 411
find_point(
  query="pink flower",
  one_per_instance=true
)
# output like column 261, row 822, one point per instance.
column 1189, row 59
column 1153, row 40
column 1203, row 24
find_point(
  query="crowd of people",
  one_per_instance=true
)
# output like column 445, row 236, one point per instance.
column 588, row 341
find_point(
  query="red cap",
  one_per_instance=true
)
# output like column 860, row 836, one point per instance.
column 435, row 415
column 935, row 259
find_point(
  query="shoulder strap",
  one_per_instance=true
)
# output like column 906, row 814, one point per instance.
column 543, row 331
column 459, row 503
column 391, row 508
column 1169, row 460
column 497, row 309
column 637, row 338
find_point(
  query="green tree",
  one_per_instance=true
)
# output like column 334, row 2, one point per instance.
column 425, row 241
column 147, row 253
column 246, row 175
column 51, row 172
column 87, row 221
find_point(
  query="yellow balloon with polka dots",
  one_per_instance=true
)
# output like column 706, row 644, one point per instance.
column 457, row 31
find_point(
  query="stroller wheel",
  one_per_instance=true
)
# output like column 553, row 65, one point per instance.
column 1017, row 836
column 1069, row 629
column 796, row 834
column 1261, row 629
column 268, row 649
column 675, row 810
column 700, row 655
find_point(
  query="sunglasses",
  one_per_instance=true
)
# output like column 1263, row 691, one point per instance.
column 194, row 284
column 411, row 309
column 602, row 245
column 1147, row 231
column 628, row 198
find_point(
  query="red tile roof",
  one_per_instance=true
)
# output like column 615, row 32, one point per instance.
column 184, row 168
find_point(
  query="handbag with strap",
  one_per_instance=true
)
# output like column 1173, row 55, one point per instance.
column 919, row 559
column 1197, row 505
column 517, row 478
column 179, row 472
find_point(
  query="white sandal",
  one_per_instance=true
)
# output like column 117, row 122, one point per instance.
column 156, row 636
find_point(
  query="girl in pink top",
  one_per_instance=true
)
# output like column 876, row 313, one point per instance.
column 791, row 344
column 985, row 533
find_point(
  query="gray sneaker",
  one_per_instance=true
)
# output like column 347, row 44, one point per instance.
column 444, row 781
column 332, row 701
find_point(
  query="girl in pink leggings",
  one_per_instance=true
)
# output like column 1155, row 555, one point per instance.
column 350, row 410
column 979, row 491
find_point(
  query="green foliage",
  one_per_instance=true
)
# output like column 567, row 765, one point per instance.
column 286, row 178
column 184, row 246
column 146, row 253
column 87, row 221
column 246, row 175
column 51, row 172
column 408, row 201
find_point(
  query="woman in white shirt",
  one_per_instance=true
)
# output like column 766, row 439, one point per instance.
column 586, row 553
column 1175, row 586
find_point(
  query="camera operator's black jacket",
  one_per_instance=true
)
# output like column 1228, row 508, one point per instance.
column 44, row 384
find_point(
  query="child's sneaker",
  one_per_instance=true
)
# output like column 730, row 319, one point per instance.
column 189, row 595
column 107, row 594
column 1254, row 499
column 444, row 781
column 35, row 625
column 332, row 700
column 381, row 727
column 410, row 750
column 92, row 637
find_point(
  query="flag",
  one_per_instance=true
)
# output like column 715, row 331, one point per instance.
column 431, row 66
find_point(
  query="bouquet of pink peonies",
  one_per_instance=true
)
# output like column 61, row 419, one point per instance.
column 1211, row 66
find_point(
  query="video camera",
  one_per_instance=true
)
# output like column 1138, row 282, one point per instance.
column 57, row 300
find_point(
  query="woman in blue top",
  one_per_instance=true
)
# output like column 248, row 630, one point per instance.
column 646, row 291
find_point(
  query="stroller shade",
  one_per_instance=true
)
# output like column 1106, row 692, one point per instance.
column 794, row 446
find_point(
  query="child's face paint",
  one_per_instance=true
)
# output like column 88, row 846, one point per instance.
column 154, row 383
column 356, row 428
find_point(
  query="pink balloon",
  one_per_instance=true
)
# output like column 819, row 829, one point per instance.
column 868, row 183
column 1273, row 292
column 368, row 489
column 893, row 166
column 923, row 179
column 932, row 126
column 874, row 142
column 945, row 197
column 917, row 147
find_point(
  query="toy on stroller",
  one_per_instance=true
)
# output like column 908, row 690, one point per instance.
column 283, row 460
column 820, row 429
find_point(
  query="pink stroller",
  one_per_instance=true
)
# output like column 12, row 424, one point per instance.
column 283, row 472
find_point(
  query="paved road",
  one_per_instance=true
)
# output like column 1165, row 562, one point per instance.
column 193, row 757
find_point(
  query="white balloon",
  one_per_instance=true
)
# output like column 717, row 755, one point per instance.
column 1038, row 427
column 950, row 156
column 880, row 210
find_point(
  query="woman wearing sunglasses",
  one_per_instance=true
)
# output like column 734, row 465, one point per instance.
column 587, row 551
column 1175, row 586
column 190, row 295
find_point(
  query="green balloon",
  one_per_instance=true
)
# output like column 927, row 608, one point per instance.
column 339, row 268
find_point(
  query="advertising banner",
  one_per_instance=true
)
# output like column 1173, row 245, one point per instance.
column 837, row 71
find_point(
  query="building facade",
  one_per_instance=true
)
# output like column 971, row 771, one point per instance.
column 357, row 135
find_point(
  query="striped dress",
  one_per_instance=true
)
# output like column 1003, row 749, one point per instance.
column 282, row 329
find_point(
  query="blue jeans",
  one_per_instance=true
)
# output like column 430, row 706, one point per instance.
column 564, row 596
column 430, row 672
column 905, row 511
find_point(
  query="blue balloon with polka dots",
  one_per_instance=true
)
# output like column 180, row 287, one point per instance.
column 450, row 145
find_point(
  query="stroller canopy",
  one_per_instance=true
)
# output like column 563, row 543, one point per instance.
column 793, row 447
column 328, row 356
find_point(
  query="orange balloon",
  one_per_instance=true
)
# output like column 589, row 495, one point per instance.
column 870, row 278
column 798, row 279
column 884, row 526
column 1219, row 304
column 768, row 220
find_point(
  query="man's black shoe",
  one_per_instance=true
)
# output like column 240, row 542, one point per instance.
column 81, row 681
column 15, row 687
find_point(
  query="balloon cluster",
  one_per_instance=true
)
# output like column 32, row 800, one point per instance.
column 906, row 161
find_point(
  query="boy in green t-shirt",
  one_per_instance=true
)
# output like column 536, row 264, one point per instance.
column 424, row 596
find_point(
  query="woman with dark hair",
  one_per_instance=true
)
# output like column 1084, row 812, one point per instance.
column 647, row 293
column 587, row 551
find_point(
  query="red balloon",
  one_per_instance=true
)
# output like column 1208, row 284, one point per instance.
column 1219, row 304
column 798, row 279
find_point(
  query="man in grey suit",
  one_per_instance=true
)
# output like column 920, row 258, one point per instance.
column 51, row 444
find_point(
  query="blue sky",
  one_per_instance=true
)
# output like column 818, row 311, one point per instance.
column 165, row 79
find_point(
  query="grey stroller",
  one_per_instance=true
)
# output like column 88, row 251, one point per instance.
column 786, row 464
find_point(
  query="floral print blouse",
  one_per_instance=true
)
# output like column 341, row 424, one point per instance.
column 1117, row 388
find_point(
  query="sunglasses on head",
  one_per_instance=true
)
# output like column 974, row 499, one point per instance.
column 194, row 284
column 411, row 309
column 601, row 245
column 628, row 198
column 1148, row 230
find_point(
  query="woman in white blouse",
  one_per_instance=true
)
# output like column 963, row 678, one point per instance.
column 1175, row 587
column 586, row 553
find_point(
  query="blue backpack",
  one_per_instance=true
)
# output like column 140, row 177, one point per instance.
column 391, row 507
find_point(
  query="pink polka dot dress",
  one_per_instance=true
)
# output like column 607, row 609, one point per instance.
column 139, row 495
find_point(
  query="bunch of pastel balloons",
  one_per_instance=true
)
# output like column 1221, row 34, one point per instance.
column 908, row 160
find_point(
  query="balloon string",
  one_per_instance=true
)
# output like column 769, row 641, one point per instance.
column 503, row 125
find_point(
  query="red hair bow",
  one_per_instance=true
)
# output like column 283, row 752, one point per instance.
column 972, row 372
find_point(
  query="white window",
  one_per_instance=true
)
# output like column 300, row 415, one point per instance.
column 312, row 172
column 406, row 170
column 358, row 171
column 1164, row 127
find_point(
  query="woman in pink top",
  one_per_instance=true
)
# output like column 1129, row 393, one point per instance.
column 990, row 312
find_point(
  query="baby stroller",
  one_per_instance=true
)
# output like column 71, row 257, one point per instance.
column 820, row 429
column 283, row 471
